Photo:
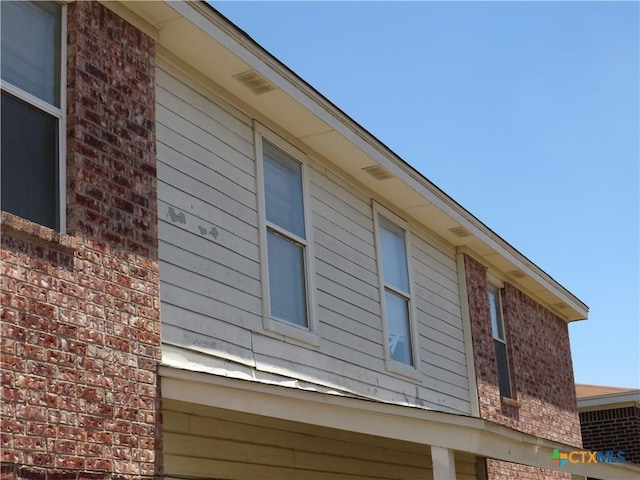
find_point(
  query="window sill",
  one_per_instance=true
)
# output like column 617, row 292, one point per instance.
column 509, row 402
column 402, row 370
column 291, row 331
column 27, row 229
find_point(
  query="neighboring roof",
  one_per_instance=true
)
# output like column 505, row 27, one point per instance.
column 601, row 397
column 194, row 34
column 584, row 391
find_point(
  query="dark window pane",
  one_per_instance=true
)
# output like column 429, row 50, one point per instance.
column 504, row 382
column 29, row 162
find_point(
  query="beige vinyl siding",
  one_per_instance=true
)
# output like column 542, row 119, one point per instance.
column 437, row 302
column 210, row 274
column 208, row 238
column 206, row 442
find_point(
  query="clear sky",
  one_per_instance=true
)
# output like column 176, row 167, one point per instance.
column 526, row 113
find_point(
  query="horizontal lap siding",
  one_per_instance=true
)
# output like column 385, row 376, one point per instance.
column 347, row 287
column 209, row 257
column 207, row 442
column 210, row 272
column 437, row 301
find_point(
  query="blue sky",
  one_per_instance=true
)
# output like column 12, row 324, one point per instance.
column 526, row 113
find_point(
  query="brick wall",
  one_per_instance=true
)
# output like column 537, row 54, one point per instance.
column 544, row 402
column 613, row 430
column 111, row 163
column 497, row 470
column 80, row 331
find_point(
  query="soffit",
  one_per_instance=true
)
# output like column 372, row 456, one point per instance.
column 212, row 45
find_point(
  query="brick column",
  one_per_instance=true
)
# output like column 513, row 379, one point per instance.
column 80, row 321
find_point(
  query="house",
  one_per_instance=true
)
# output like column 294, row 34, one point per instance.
column 210, row 271
column 610, row 419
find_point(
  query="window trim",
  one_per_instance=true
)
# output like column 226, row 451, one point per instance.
column 491, row 288
column 60, row 113
column 411, row 371
column 307, row 335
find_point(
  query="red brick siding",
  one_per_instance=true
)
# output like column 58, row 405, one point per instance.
column 80, row 329
column 544, row 401
column 497, row 470
column 111, row 157
column 613, row 430
column 541, row 369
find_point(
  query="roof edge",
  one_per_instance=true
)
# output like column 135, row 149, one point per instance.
column 465, row 215
column 216, row 26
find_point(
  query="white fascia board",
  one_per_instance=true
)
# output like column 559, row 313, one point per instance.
column 219, row 29
column 426, row 427
column 610, row 400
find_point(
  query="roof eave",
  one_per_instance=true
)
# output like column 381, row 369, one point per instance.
column 205, row 24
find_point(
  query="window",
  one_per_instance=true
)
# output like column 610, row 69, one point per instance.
column 32, row 56
column 286, row 250
column 500, row 342
column 395, row 287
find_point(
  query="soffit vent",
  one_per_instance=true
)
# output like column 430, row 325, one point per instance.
column 378, row 172
column 254, row 82
column 517, row 274
column 460, row 232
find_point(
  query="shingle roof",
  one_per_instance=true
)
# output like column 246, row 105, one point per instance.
column 586, row 391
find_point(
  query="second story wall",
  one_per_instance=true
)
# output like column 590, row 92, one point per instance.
column 542, row 399
column 211, row 278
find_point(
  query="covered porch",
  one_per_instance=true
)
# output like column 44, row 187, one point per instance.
column 216, row 427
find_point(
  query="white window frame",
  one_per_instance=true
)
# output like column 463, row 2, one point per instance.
column 411, row 371
column 307, row 335
column 60, row 113
column 492, row 288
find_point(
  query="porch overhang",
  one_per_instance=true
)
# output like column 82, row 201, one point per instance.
column 397, row 422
